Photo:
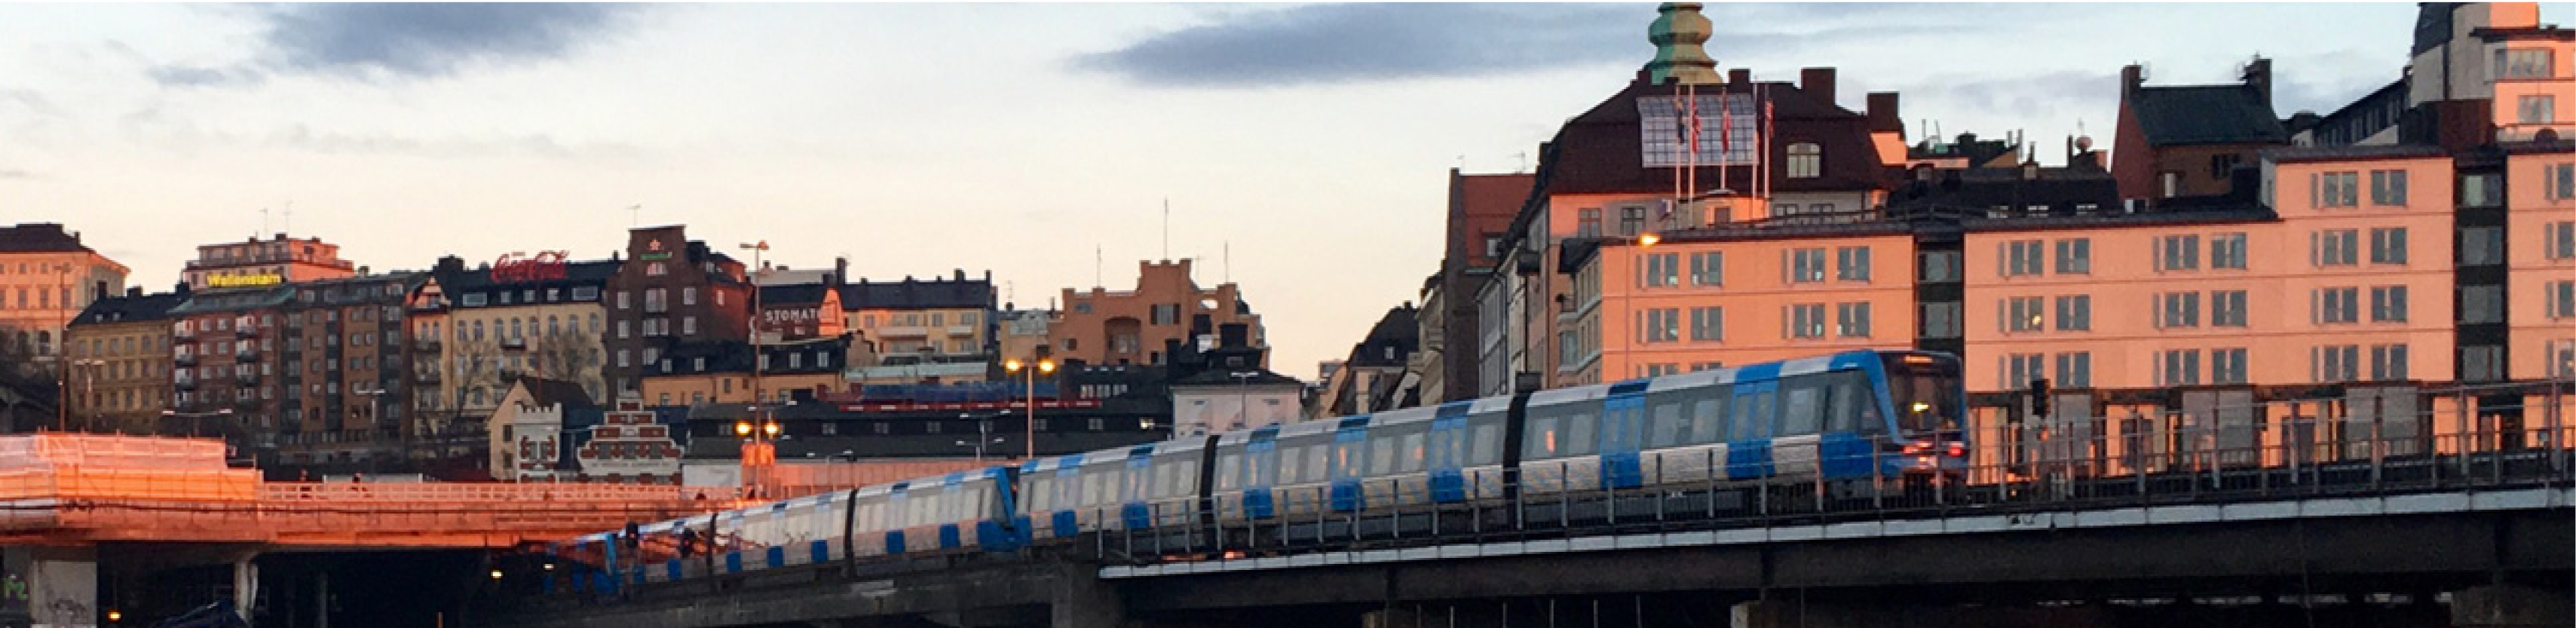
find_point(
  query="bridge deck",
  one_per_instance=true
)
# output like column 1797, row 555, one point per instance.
column 73, row 489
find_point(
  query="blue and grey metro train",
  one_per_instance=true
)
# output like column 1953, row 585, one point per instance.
column 1857, row 420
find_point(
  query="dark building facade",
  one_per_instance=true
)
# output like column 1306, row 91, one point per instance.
column 671, row 290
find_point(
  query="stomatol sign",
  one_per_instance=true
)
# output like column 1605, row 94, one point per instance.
column 518, row 267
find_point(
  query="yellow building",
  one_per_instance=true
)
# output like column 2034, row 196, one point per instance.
column 698, row 374
column 488, row 325
column 120, row 362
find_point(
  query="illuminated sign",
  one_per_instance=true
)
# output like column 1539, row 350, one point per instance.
column 653, row 257
column 543, row 266
column 243, row 281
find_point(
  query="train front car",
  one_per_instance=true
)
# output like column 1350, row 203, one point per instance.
column 1929, row 403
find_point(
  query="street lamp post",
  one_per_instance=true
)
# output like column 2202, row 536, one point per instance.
column 89, row 388
column 1242, row 398
column 1627, row 348
column 759, row 448
column 1030, row 369
column 983, row 435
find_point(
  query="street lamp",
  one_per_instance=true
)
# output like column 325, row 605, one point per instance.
column 1242, row 398
column 1031, row 369
column 983, row 436
column 89, row 388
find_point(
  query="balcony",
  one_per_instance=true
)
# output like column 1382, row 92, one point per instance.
column 184, row 331
column 2528, row 131
column 514, row 343
column 427, row 345
column 246, row 379
column 184, row 383
column 903, row 331
column 961, row 330
column 184, row 359
column 246, row 354
column 425, row 376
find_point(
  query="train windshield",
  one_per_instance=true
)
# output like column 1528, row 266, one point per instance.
column 1927, row 393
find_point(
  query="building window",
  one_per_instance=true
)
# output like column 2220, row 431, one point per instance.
column 2481, row 363
column 2021, row 368
column 2536, row 109
column 2388, row 304
column 2227, row 366
column 2388, row 362
column 1940, row 266
column 2075, row 257
column 2388, row 188
column 2522, row 63
column 1632, row 220
column 2481, row 246
column 1851, row 263
column 472, row 299
column 2562, row 358
column 688, row 325
column 2169, row 183
column 2024, row 314
column 2561, row 182
column 2178, row 310
column 1663, row 270
column 2180, row 367
column 1708, row 269
column 2178, row 252
column 2481, row 190
column 2338, row 189
column 1807, row 321
column 1587, row 222
column 2075, row 313
column 1162, row 314
column 1807, row 266
column 1806, row 161
column 2334, row 247
column 1851, row 320
column 2562, row 299
column 2338, row 305
column 1662, row 325
column 656, row 269
column 2562, row 240
column 2337, row 363
column 2222, row 166
column 2227, row 308
column 1708, row 324
column 2481, row 304
column 2022, row 258
column 2075, row 370
column 2388, row 245
column 1940, row 320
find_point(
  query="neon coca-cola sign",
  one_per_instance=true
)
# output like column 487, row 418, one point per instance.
column 544, row 265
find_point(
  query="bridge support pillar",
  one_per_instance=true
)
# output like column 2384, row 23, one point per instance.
column 1082, row 600
column 61, row 584
column 245, row 583
column 2507, row 606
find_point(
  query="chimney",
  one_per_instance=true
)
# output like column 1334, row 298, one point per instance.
column 1882, row 113
column 1817, row 82
column 2132, row 77
column 2258, row 75
column 1739, row 77
column 135, row 291
column 450, row 264
column 840, row 270
column 101, row 293
column 1234, row 335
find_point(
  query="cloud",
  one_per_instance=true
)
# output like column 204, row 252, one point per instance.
column 28, row 99
column 1352, row 43
column 13, row 173
column 301, row 137
column 2042, row 95
column 406, row 40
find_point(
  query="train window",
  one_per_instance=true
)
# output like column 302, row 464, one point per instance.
column 1091, row 484
column 1488, row 446
column 1750, row 416
column 1708, row 418
column 1453, row 447
column 1409, row 458
column 1165, row 473
column 1804, row 412
column 1851, row 409
column 1580, row 430
column 1541, row 438
column 1189, row 477
column 1318, row 463
column 1346, row 459
column 1669, row 426
column 1436, row 449
column 1136, row 477
column 1290, row 458
column 1382, row 454
column 1631, row 434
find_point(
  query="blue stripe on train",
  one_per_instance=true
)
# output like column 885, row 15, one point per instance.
column 673, row 568
column 822, row 552
column 948, row 538
column 1346, row 495
column 1748, row 459
column 1136, row 516
column 1065, row 524
column 894, row 542
column 1257, row 503
column 988, row 534
column 1448, row 485
column 1622, row 470
column 777, row 556
column 733, row 562
column 1843, row 455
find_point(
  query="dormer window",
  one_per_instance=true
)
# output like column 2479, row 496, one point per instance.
column 1806, row 161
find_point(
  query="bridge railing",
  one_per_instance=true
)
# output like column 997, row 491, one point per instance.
column 2256, row 453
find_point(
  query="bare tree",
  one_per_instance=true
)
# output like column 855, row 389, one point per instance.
column 566, row 357
column 32, row 381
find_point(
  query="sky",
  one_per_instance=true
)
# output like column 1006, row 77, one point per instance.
column 1303, row 150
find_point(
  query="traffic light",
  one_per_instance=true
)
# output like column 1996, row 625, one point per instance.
column 634, row 536
column 2039, row 397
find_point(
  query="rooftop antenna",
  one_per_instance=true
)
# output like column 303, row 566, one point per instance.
column 287, row 223
column 1229, row 262
column 1524, row 156
column 263, row 223
column 1098, row 258
column 635, row 215
column 1167, row 228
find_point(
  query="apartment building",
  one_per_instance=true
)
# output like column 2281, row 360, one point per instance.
column 119, row 357
column 1142, row 326
column 47, row 276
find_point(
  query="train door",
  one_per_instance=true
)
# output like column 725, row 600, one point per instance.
column 1623, row 425
column 1349, row 442
column 1751, row 412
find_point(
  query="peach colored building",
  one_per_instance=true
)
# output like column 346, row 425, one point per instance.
column 1141, row 326
column 2540, row 203
column 254, row 262
column 46, row 277
column 1733, row 294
